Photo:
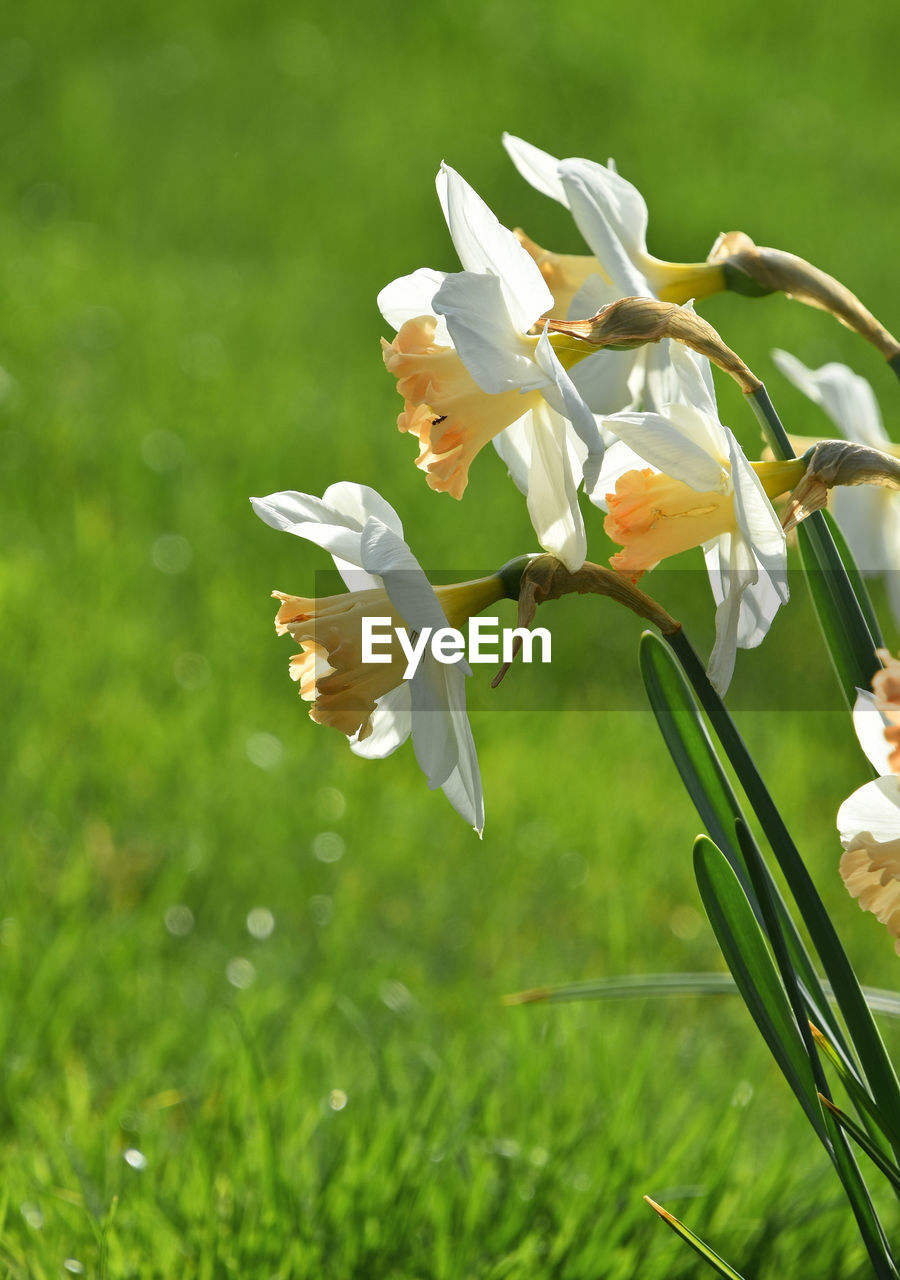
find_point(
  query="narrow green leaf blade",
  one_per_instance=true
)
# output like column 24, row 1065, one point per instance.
column 709, row 1255
column 862, row 1139
column 747, row 956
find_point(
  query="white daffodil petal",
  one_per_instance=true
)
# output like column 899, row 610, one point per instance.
column 537, row 167
column 869, row 519
column 514, row 447
column 593, row 295
column 874, row 810
column 661, row 443
column 493, row 351
column 359, row 503
column 618, row 459
column 552, row 491
column 759, row 604
column 433, row 734
column 603, row 381
column 755, row 514
column 485, row 245
column 870, row 725
column 409, row 590
column 409, row 297
column 847, row 398
column 738, row 573
column 694, row 377
column 463, row 786
column 328, row 530
column 607, row 212
column 390, row 723
column 563, row 396
column 658, row 383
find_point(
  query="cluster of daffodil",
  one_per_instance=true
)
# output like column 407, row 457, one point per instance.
column 490, row 354
column 591, row 374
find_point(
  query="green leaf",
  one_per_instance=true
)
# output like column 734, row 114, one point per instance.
column 742, row 943
column 717, row 1263
column 862, row 1100
column 697, row 761
column 861, row 1029
column 862, row 1139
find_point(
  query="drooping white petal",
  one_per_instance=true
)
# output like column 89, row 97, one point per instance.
column 433, row 731
column 552, row 496
column 874, row 810
column 409, row 297
column 463, row 786
column 847, row 398
column 489, row 345
column 612, row 217
column 562, row 395
column 390, row 723
column 485, row 245
column 738, row 574
column 409, row 590
column 663, row 443
column 756, row 517
column 870, row 725
column 537, row 167
column 514, row 447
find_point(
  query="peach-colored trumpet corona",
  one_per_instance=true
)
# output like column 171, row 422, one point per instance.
column 654, row 516
column 443, row 405
column 330, row 669
column 871, row 873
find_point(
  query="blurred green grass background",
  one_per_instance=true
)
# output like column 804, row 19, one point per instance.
column 250, row 984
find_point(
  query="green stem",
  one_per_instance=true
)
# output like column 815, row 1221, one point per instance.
column 843, row 621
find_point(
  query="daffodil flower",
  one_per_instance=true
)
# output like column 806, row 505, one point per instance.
column 371, row 702
column 471, row 367
column 612, row 216
column 679, row 479
column 868, row 515
column 869, row 820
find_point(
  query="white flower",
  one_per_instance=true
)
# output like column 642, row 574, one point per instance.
column 372, row 703
column 469, row 368
column 611, row 215
column 699, row 490
column 869, row 821
column 868, row 515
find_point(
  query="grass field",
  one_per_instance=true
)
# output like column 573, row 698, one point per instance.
column 251, row 1012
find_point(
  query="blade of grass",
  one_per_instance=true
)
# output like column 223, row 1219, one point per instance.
column 648, row 985
column 706, row 1253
